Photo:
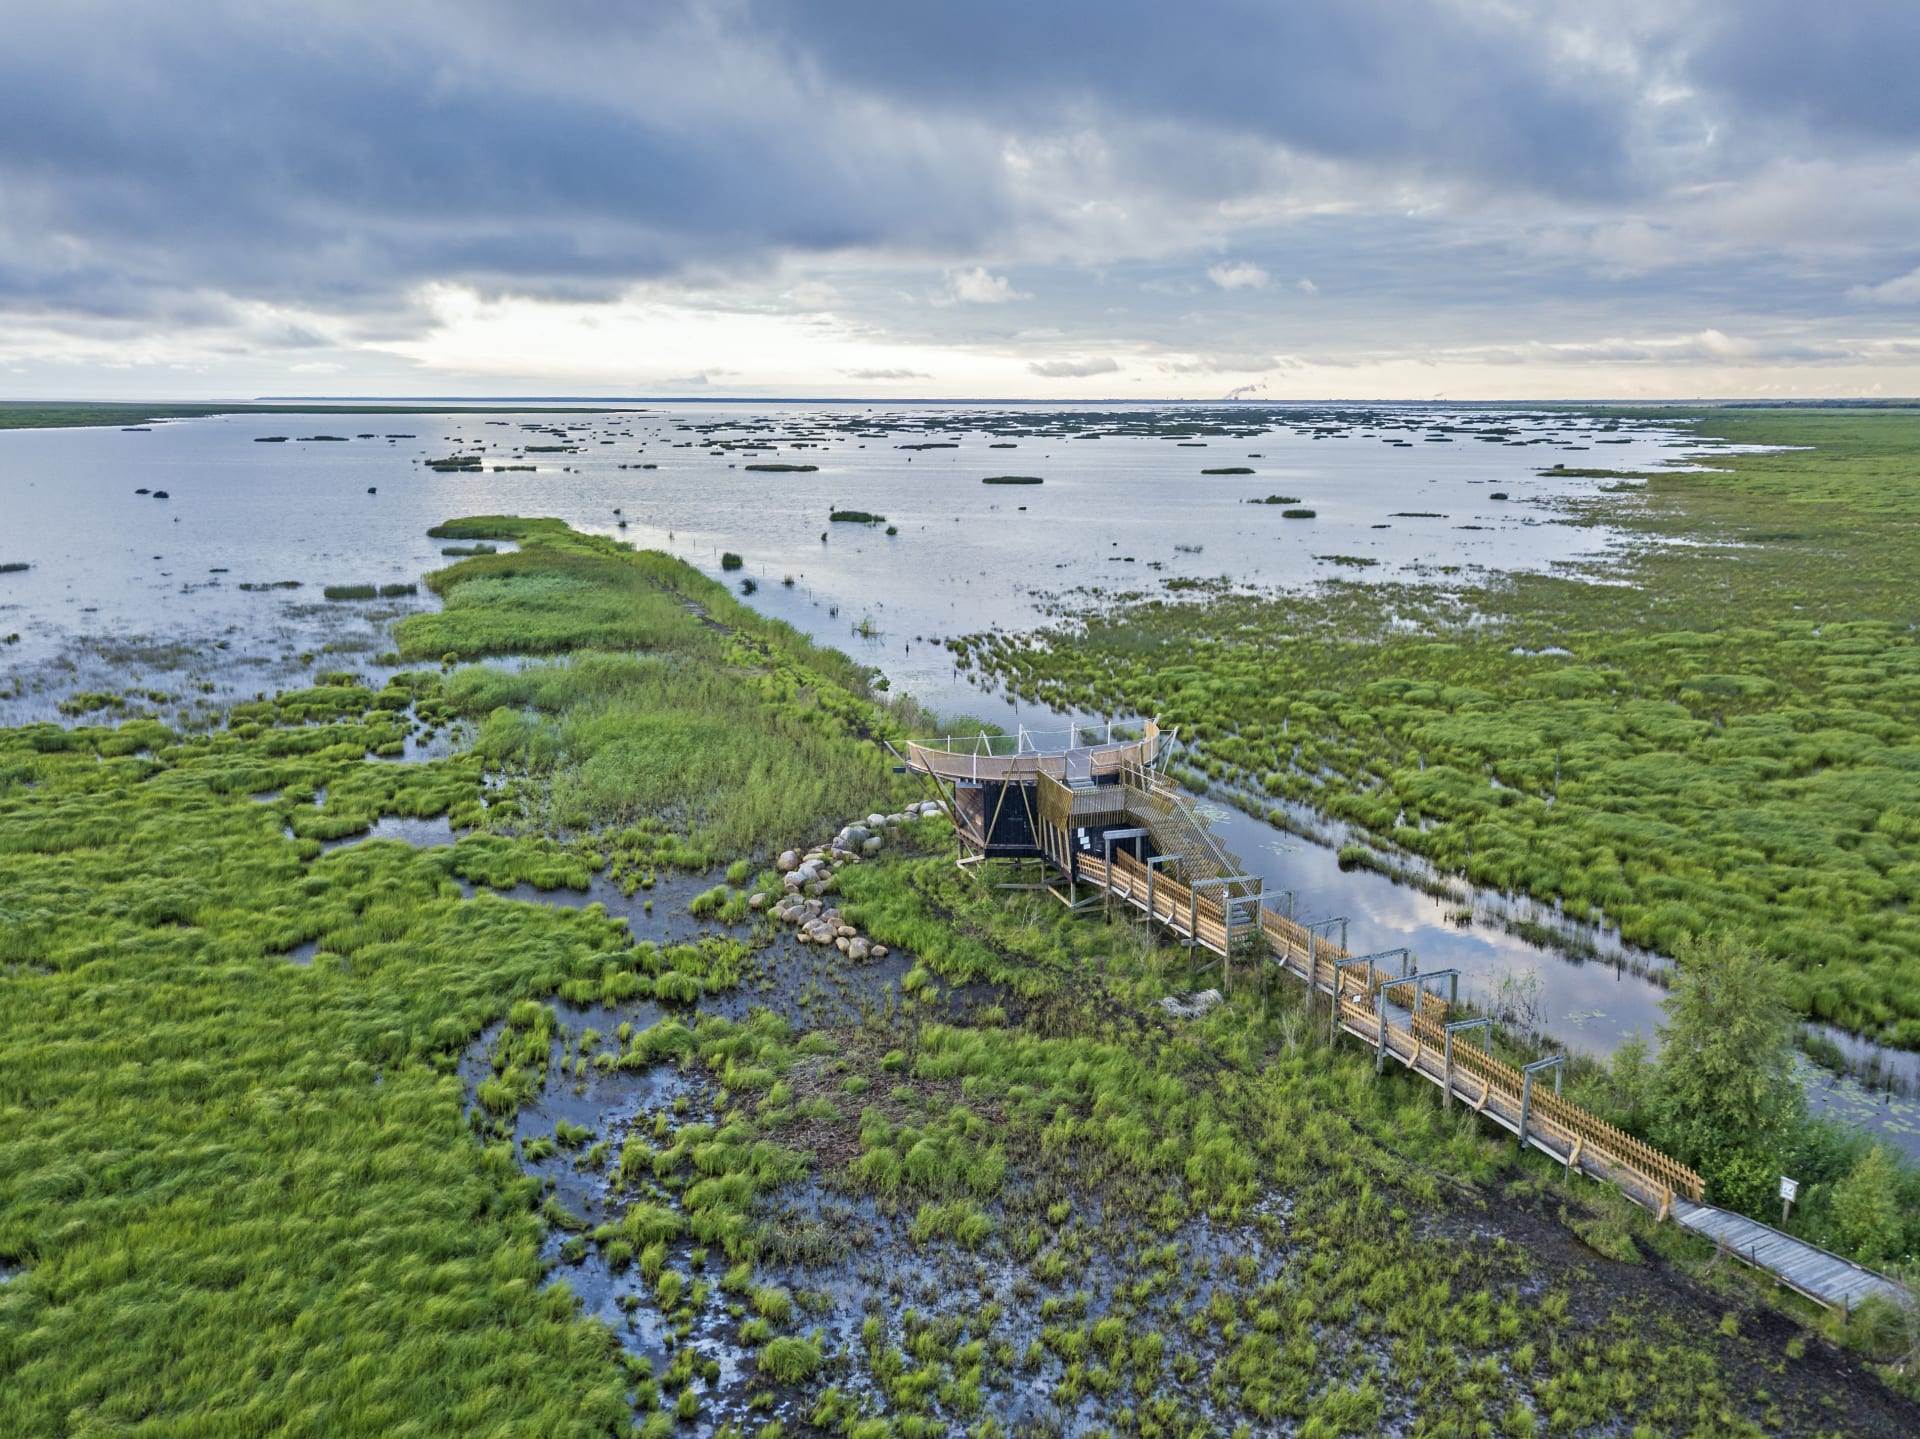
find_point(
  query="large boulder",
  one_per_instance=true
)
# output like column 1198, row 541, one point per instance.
column 788, row 861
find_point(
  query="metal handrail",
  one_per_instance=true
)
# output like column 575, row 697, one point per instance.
column 1046, row 742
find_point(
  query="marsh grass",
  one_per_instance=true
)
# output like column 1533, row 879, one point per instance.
column 280, row 1203
column 1715, row 732
column 257, row 1195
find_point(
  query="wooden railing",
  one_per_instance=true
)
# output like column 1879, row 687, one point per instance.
column 1064, row 807
column 1490, row 1085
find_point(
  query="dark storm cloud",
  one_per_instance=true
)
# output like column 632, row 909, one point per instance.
column 1847, row 67
column 172, row 165
column 344, row 150
column 1458, row 90
column 290, row 160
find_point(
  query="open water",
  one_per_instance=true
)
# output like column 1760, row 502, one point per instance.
column 183, row 603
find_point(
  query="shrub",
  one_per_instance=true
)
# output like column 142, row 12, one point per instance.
column 790, row 1361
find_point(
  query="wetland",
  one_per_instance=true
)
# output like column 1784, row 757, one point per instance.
column 392, row 1040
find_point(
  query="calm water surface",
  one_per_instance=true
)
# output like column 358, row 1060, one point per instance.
column 131, row 591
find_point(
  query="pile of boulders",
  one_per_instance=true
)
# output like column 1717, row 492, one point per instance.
column 818, row 924
column 805, row 878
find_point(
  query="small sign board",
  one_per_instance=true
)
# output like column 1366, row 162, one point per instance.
column 1789, row 1189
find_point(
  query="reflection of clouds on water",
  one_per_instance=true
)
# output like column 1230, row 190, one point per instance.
column 106, row 561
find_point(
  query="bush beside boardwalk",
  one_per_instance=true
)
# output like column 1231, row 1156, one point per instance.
column 235, row 1192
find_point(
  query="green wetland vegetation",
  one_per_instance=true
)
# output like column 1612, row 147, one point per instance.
column 291, row 1118
column 1718, row 728
column 1714, row 732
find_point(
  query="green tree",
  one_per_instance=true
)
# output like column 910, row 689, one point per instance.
column 1630, row 1083
column 1866, row 1208
column 1728, row 1101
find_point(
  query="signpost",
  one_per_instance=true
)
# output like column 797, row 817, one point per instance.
column 1789, row 1191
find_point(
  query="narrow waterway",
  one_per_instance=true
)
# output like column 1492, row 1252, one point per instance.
column 176, row 569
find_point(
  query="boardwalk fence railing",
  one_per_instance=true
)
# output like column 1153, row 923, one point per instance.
column 1208, row 915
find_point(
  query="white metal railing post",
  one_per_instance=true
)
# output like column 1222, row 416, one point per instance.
column 1380, row 1008
column 1333, row 1018
column 1153, row 869
column 1420, row 988
column 1555, row 1062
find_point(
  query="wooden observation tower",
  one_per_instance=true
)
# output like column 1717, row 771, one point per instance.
column 1077, row 799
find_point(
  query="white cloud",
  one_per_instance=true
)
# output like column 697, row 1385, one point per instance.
column 1073, row 369
column 812, row 295
column 978, row 286
column 1224, row 364
column 1306, row 286
column 1902, row 291
column 1237, row 275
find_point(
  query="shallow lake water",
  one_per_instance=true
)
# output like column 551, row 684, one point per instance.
column 214, row 592
column 131, row 579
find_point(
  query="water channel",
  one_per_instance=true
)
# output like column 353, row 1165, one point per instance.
column 213, row 592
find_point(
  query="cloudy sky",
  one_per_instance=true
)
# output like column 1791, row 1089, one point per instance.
column 1041, row 198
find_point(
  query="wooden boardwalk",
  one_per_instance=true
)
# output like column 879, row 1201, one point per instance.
column 1804, row 1268
column 1415, row 1034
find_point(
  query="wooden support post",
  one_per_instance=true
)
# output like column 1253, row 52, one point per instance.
column 1106, row 890
column 1313, row 981
column 1456, row 1025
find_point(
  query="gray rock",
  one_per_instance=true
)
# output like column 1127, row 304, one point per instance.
column 873, row 845
column 1194, row 1006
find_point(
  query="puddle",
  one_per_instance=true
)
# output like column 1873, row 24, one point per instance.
column 421, row 833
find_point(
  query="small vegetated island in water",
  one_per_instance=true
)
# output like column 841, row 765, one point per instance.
column 368, row 592
column 1013, row 480
column 856, row 517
